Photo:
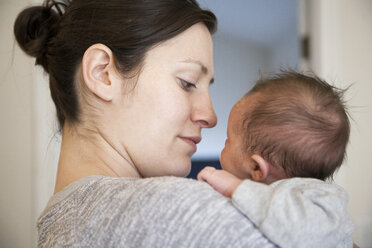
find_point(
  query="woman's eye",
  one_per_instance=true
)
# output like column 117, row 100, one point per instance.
column 186, row 85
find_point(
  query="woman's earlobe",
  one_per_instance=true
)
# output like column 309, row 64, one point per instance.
column 96, row 69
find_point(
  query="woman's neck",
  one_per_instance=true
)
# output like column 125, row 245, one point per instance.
column 85, row 153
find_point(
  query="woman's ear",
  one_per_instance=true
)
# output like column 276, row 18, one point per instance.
column 96, row 66
column 260, row 168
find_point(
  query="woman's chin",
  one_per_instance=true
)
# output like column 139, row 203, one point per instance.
column 181, row 170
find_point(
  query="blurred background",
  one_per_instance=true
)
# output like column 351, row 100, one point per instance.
column 333, row 38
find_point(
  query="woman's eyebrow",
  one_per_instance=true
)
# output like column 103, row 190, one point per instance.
column 203, row 68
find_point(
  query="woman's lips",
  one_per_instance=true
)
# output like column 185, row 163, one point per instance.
column 192, row 141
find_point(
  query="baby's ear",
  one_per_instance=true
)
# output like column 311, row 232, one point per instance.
column 260, row 168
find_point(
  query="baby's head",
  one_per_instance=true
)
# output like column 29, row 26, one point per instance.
column 290, row 125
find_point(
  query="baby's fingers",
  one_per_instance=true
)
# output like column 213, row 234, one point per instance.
column 222, row 181
column 206, row 173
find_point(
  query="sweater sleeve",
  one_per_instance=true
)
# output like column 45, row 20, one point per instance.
column 297, row 212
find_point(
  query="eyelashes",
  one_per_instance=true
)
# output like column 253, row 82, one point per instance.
column 187, row 86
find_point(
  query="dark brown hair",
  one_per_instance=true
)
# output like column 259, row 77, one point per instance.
column 297, row 122
column 59, row 32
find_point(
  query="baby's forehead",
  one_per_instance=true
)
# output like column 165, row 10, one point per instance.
column 240, row 111
column 248, row 101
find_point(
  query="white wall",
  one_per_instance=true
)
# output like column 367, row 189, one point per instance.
column 341, row 36
column 28, row 147
column 16, row 136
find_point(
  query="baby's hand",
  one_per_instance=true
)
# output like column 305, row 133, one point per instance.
column 222, row 181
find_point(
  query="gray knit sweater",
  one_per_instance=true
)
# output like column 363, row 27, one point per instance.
column 99, row 211
column 298, row 212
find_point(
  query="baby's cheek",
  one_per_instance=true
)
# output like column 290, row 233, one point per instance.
column 227, row 162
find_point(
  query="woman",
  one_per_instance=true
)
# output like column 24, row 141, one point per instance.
column 130, row 83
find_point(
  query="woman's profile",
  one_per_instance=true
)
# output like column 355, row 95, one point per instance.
column 130, row 81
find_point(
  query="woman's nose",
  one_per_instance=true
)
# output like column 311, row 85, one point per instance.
column 203, row 112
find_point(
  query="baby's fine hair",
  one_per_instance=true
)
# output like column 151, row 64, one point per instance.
column 298, row 122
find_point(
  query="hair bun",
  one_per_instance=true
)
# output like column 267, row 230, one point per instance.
column 33, row 28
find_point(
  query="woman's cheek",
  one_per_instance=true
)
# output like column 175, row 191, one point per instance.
column 177, row 108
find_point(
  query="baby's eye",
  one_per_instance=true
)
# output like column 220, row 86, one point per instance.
column 186, row 85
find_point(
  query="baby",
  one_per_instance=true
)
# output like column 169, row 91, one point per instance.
column 285, row 137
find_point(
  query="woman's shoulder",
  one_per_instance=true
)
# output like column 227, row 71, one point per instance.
column 161, row 192
column 101, row 187
column 166, row 211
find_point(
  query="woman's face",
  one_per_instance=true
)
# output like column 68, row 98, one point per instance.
column 159, row 123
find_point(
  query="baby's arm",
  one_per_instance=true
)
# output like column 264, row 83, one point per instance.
column 289, row 210
column 222, row 181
